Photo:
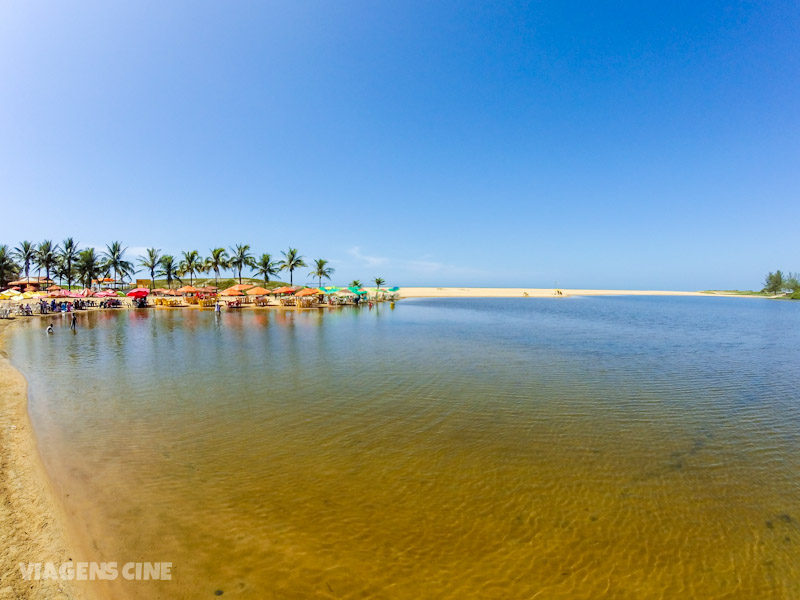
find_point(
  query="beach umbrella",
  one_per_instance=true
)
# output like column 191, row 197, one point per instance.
column 257, row 291
column 231, row 292
column 138, row 293
column 11, row 292
column 240, row 287
column 346, row 292
column 284, row 290
column 329, row 289
column 188, row 289
column 28, row 295
column 358, row 291
column 308, row 292
column 393, row 289
column 53, row 288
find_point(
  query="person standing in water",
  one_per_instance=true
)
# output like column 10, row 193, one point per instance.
column 50, row 328
column 73, row 322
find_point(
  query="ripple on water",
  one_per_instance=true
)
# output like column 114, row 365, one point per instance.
column 620, row 448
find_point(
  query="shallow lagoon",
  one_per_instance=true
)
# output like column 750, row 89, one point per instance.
column 632, row 447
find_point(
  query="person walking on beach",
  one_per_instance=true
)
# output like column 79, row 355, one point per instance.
column 73, row 322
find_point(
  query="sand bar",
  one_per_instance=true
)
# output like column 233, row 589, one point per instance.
column 487, row 292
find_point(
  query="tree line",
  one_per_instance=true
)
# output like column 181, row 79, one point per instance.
column 778, row 282
column 68, row 262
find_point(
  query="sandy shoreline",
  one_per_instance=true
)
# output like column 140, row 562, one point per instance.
column 479, row 292
column 32, row 520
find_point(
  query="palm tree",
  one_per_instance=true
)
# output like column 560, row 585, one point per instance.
column 169, row 269
column 218, row 260
column 115, row 260
column 379, row 281
column 191, row 264
column 89, row 267
column 151, row 262
column 25, row 253
column 45, row 257
column 241, row 258
column 8, row 268
column 355, row 283
column 291, row 261
column 321, row 269
column 266, row 267
column 60, row 269
column 69, row 254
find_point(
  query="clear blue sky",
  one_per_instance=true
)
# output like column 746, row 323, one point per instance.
column 622, row 144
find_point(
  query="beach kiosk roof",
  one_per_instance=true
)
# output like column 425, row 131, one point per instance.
column 257, row 291
column 34, row 283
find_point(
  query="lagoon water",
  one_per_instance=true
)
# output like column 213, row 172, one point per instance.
column 618, row 447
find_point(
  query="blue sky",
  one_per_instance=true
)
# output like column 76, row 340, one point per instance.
column 625, row 144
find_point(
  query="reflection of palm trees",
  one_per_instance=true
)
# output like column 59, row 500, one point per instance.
column 291, row 261
column 321, row 269
column 151, row 262
column 218, row 260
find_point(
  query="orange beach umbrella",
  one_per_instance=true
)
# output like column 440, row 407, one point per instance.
column 257, row 291
column 284, row 290
column 308, row 292
column 231, row 292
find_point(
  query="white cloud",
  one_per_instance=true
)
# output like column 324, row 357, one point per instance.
column 370, row 261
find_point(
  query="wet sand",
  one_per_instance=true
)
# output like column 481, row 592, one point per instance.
column 32, row 522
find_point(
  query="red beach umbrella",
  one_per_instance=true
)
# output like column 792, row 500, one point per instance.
column 284, row 290
column 138, row 293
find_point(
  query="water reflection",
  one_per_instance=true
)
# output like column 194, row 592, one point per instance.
column 615, row 447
